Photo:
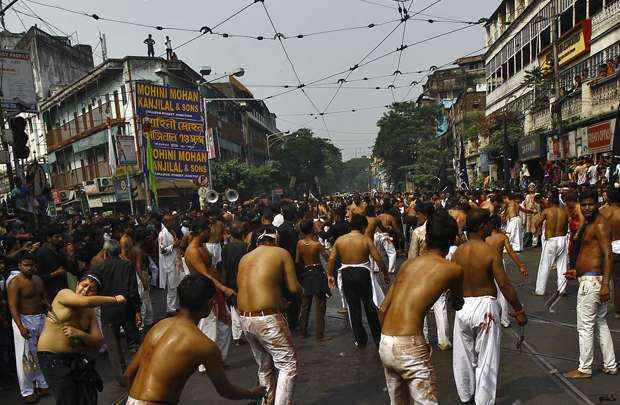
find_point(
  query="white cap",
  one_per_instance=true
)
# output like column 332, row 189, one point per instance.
column 278, row 220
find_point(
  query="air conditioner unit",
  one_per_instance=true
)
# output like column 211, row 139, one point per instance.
column 106, row 184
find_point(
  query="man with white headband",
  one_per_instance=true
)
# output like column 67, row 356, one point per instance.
column 261, row 274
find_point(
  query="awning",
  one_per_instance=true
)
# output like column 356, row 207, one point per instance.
column 90, row 142
column 51, row 157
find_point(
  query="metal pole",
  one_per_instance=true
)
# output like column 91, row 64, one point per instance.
column 506, row 153
column 129, row 188
column 268, row 153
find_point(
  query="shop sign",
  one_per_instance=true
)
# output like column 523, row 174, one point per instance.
column 600, row 136
column 570, row 46
column 529, row 147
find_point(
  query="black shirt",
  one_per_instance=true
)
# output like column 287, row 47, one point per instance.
column 118, row 277
column 231, row 256
column 49, row 259
column 288, row 238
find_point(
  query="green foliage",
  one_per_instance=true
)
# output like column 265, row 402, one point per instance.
column 248, row 180
column 304, row 156
column 406, row 143
column 355, row 175
column 514, row 130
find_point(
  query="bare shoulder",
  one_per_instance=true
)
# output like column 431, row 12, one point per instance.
column 451, row 267
column 38, row 281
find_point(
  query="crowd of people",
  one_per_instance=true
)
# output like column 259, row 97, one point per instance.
column 249, row 273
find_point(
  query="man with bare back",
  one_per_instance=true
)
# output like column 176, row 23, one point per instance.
column 173, row 349
column 554, row 221
column 313, row 280
column 262, row 273
column 387, row 228
column 514, row 223
column 198, row 259
column 499, row 240
column 406, row 357
column 593, row 269
column 477, row 334
column 354, row 249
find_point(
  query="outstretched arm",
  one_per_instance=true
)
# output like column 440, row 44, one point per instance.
column 70, row 299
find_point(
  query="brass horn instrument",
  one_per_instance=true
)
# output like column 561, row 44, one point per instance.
column 231, row 195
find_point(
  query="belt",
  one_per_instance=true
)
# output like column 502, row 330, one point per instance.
column 262, row 312
column 590, row 274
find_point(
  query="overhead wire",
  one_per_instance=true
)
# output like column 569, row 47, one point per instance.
column 288, row 57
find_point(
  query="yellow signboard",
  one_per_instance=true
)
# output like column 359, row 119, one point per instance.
column 572, row 45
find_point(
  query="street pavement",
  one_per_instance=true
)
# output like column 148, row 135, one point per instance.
column 336, row 372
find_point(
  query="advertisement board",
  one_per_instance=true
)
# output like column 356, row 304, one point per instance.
column 600, row 136
column 571, row 45
column 178, row 145
column 126, row 150
column 17, row 82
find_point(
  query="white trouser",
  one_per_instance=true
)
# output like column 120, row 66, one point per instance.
column 235, row 326
column 440, row 309
column 514, row 230
column 146, row 309
column 272, row 346
column 216, row 252
column 27, row 350
column 476, row 354
column 591, row 313
column 172, row 301
column 218, row 332
column 554, row 252
column 384, row 241
column 409, row 373
column 503, row 304
column 339, row 282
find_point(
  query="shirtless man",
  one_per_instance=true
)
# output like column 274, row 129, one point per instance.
column 27, row 303
column 612, row 214
column 485, row 203
column 70, row 329
column 173, row 349
column 198, row 259
column 262, row 272
column 388, row 228
column 477, row 334
column 593, row 270
column 554, row 221
column 514, row 224
column 405, row 355
column 499, row 240
column 313, row 280
column 353, row 250
column 214, row 243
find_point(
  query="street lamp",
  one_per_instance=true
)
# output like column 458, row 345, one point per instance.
column 280, row 134
column 206, row 71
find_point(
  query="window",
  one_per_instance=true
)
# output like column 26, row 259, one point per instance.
column 518, row 63
column 595, row 7
column 566, row 21
column 580, row 10
column 526, row 54
column 124, row 94
column 545, row 38
column 511, row 67
column 534, row 45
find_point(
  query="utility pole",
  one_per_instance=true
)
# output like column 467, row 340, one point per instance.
column 556, row 109
column 506, row 150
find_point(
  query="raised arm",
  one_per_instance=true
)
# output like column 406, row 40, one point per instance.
column 212, row 359
column 70, row 299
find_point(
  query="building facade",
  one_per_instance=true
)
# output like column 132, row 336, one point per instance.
column 519, row 39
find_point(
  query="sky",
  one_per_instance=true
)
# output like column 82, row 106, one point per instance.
column 265, row 62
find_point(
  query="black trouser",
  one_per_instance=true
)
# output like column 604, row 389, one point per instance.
column 357, row 289
column 72, row 379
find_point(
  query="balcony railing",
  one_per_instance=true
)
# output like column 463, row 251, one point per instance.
column 94, row 120
column 607, row 18
column 541, row 119
column 75, row 177
column 571, row 107
column 605, row 93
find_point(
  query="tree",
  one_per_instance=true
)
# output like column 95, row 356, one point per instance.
column 248, row 180
column 308, row 158
column 354, row 175
column 406, row 143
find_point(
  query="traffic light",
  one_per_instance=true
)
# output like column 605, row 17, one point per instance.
column 20, row 137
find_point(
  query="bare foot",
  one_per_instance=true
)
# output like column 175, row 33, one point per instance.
column 576, row 374
column 607, row 371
